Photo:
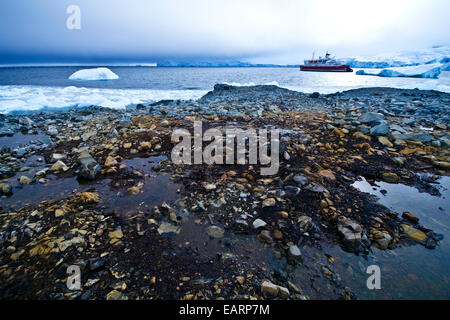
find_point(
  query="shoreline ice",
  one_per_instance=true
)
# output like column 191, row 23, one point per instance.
column 32, row 98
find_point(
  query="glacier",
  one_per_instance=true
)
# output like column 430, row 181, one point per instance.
column 420, row 71
column 401, row 58
column 94, row 75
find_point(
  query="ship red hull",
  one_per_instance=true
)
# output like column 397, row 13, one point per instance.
column 343, row 68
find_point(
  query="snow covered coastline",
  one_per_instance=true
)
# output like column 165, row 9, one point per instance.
column 435, row 54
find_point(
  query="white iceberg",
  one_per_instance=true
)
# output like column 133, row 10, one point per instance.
column 432, row 70
column 94, row 75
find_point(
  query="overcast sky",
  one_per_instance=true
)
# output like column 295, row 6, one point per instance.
column 278, row 31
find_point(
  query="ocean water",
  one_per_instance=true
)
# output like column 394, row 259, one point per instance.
column 34, row 88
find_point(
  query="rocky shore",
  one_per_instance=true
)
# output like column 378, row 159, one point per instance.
column 95, row 188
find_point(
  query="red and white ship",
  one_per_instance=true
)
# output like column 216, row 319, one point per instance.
column 326, row 64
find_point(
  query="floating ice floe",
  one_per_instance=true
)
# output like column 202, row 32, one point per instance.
column 94, row 74
column 432, row 70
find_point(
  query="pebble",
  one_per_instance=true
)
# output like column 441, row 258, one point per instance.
column 258, row 223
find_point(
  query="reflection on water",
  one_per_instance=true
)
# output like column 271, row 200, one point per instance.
column 156, row 189
column 19, row 139
column 408, row 272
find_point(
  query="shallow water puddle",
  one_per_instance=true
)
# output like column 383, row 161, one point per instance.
column 408, row 272
column 157, row 188
column 19, row 139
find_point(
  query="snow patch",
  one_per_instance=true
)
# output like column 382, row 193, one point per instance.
column 94, row 75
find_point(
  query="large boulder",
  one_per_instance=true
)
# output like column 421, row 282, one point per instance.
column 89, row 167
column 353, row 236
column 370, row 117
column 271, row 290
column 379, row 130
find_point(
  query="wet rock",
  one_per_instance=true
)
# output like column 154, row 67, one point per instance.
column 59, row 166
column 327, row 174
column 167, row 227
column 361, row 135
column 95, row 264
column 382, row 240
column 379, row 130
column 116, row 234
column 271, row 290
column 164, row 122
column 21, row 152
column 5, row 189
column 110, row 161
column 353, row 235
column 125, row 123
column 240, row 280
column 442, row 164
column 258, row 223
column 116, row 295
column 17, row 255
column 414, row 233
column 316, row 188
column 291, row 191
column 421, row 137
column 385, row 141
column 89, row 197
column 370, row 117
column 135, row 189
column 240, row 224
column 294, row 253
column 210, row 187
column 145, row 145
column 89, row 167
column 215, row 231
column 265, row 236
column 269, row 202
column 399, row 160
column 409, row 216
column 300, row 179
column 390, row 177
column 304, row 222
column 57, row 156
column 396, row 127
column 24, row 180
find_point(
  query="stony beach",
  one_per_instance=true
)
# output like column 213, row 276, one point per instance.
column 96, row 188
